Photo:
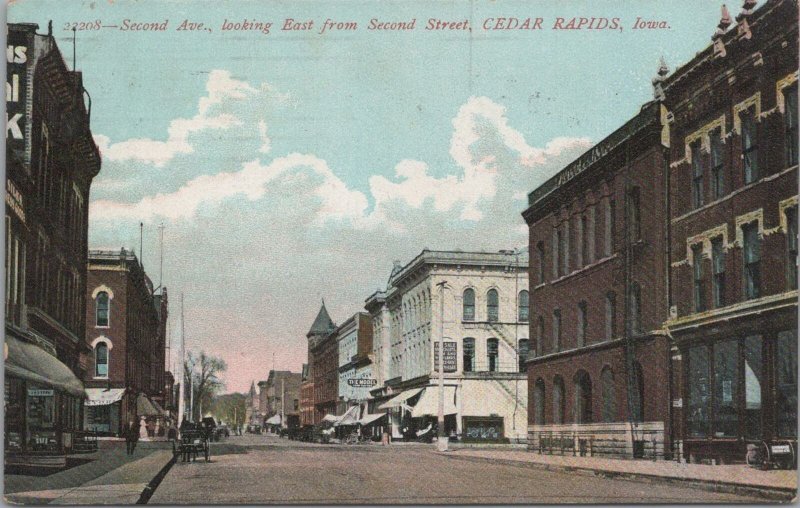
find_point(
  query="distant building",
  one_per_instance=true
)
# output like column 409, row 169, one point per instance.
column 125, row 330
column 323, row 359
column 280, row 398
column 252, row 410
column 306, row 397
column 51, row 160
column 485, row 326
column 355, row 363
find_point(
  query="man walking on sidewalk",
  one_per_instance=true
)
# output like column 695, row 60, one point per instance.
column 131, row 436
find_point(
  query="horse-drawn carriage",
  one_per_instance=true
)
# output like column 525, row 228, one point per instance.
column 194, row 441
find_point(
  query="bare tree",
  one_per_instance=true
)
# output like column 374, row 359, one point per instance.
column 202, row 372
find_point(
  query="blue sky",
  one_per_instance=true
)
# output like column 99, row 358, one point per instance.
column 294, row 166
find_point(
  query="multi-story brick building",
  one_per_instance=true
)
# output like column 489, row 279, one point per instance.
column 323, row 360
column 355, row 361
column 126, row 334
column 600, row 378
column 485, row 331
column 307, row 398
column 279, row 398
column 733, row 214
column 51, row 160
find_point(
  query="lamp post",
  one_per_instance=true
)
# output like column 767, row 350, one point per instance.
column 441, row 442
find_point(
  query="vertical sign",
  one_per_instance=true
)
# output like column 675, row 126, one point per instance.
column 17, row 55
column 450, row 356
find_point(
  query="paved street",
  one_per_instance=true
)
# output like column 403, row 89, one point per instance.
column 265, row 469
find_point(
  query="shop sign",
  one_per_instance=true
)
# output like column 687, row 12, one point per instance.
column 39, row 393
column 362, row 382
column 14, row 199
column 481, row 428
column 450, row 356
column 16, row 89
column 781, row 449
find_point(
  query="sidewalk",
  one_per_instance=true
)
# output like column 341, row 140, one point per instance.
column 732, row 478
column 122, row 485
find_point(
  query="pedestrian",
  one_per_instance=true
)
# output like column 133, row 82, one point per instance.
column 127, row 431
column 135, row 430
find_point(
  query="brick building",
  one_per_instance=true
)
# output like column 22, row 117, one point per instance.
column 355, row 361
column 599, row 377
column 733, row 196
column 279, row 399
column 51, row 160
column 323, row 360
column 126, row 332
column 307, row 398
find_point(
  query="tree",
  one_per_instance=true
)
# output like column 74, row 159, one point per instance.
column 229, row 408
column 202, row 373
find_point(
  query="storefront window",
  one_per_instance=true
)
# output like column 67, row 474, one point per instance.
column 699, row 400
column 786, row 384
column 41, row 418
column 14, row 408
column 726, row 382
column 753, row 377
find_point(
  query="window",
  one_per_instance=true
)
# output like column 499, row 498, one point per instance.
column 697, row 175
column 790, row 123
column 611, row 315
column 752, row 260
column 556, row 330
column 469, row 305
column 524, row 307
column 579, row 241
column 540, row 252
column 562, row 253
column 522, row 352
column 583, row 397
column 791, row 247
column 491, row 354
column 585, row 255
column 492, row 306
column 558, row 400
column 749, row 146
column 634, row 215
column 697, row 277
column 582, row 324
column 786, row 384
column 296, row 404
column 590, row 236
column 699, row 396
column 753, row 381
column 101, row 360
column 609, row 395
column 538, row 402
column 726, row 387
column 556, row 247
column 718, row 269
column 469, row 354
column 540, row 337
column 609, row 226
column 102, row 309
column 717, row 168
column 636, row 308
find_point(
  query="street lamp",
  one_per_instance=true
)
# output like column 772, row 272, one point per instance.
column 441, row 442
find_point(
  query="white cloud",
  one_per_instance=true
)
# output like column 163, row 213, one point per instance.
column 266, row 143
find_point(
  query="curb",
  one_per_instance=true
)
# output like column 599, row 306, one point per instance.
column 151, row 487
column 785, row 494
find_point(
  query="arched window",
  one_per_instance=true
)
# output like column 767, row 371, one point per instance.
column 540, row 337
column 469, row 354
column 609, row 395
column 469, row 304
column 492, row 306
column 538, row 402
column 583, row 397
column 558, row 400
column 524, row 306
column 492, row 354
column 101, row 360
column 522, row 353
column 102, row 308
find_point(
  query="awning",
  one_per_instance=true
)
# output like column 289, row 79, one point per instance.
column 428, row 404
column 28, row 361
column 103, row 396
column 144, row 407
column 160, row 409
column 330, row 418
column 350, row 417
column 370, row 418
column 398, row 400
column 274, row 420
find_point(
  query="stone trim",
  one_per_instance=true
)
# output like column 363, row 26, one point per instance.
column 779, row 86
column 753, row 100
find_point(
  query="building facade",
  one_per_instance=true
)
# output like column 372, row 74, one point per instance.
column 733, row 196
column 323, row 360
column 484, row 326
column 51, row 160
column 355, row 361
column 307, row 397
column 125, row 331
column 280, row 398
column 252, row 409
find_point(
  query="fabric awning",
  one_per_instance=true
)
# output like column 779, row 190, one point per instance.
column 330, row 418
column 370, row 418
column 160, row 409
column 29, row 361
column 144, row 407
column 274, row 420
column 428, row 404
column 398, row 400
column 103, row 396
column 350, row 417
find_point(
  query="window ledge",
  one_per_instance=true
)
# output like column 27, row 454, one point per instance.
column 582, row 270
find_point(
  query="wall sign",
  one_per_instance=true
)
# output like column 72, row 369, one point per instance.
column 362, row 382
column 39, row 393
column 483, row 428
column 450, row 356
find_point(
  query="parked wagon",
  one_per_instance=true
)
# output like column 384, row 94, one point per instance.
column 194, row 442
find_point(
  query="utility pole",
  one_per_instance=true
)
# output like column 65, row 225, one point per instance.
column 441, row 442
column 181, row 387
column 283, row 402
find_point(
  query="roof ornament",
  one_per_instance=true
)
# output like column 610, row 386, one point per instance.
column 658, row 80
column 743, row 27
column 722, row 27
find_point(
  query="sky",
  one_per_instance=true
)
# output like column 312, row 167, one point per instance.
column 294, row 166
